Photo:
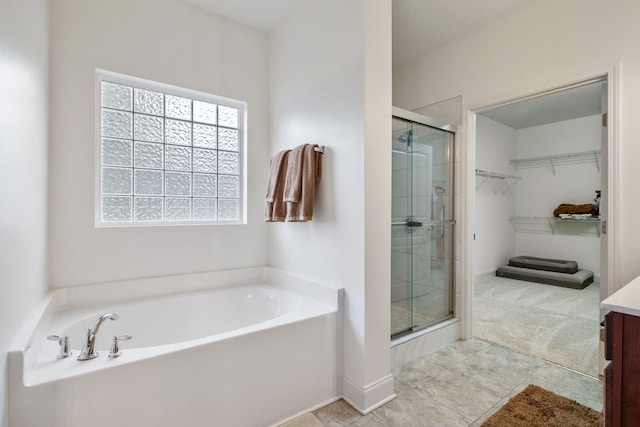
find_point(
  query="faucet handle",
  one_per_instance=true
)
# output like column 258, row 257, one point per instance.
column 115, row 349
column 64, row 345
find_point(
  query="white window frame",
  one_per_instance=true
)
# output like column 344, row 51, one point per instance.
column 107, row 76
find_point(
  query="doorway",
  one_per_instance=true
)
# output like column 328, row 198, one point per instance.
column 507, row 311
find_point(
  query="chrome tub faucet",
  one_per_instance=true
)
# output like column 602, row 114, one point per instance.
column 65, row 350
column 88, row 349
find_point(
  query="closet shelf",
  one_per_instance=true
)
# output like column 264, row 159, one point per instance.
column 554, row 225
column 509, row 180
column 593, row 156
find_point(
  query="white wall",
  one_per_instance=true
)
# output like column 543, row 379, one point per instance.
column 543, row 43
column 170, row 42
column 494, row 235
column 540, row 191
column 330, row 85
column 23, row 169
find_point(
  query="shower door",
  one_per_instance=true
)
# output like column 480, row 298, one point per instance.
column 422, row 226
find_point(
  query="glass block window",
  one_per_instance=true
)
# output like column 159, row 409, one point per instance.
column 167, row 155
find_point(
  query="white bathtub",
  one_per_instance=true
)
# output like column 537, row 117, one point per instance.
column 250, row 347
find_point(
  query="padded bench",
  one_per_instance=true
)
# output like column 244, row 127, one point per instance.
column 578, row 280
column 546, row 264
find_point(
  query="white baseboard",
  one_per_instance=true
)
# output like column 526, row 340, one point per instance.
column 480, row 273
column 371, row 396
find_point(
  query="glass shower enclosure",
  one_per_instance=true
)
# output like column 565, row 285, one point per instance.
column 422, row 252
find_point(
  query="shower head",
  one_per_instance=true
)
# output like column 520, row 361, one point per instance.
column 404, row 138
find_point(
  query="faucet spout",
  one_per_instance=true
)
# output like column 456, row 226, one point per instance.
column 101, row 319
column 88, row 349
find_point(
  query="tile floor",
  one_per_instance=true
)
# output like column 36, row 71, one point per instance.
column 557, row 324
column 459, row 385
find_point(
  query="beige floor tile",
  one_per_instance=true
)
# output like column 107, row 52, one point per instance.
column 460, row 393
column 370, row 420
column 462, row 385
column 337, row 414
column 306, row 420
column 419, row 410
column 581, row 388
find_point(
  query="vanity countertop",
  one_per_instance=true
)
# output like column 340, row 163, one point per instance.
column 626, row 300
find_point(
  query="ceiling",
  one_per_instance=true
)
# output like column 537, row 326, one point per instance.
column 555, row 107
column 420, row 26
column 423, row 25
column 265, row 15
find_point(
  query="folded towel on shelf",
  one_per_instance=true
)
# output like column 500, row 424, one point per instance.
column 275, row 207
column 304, row 168
column 565, row 208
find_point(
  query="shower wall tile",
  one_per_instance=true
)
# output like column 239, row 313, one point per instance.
column 420, row 182
column 439, row 173
column 432, row 307
column 421, row 289
column 400, row 245
column 400, row 183
column 400, row 239
column 421, row 268
column 400, row 316
column 422, row 207
column 400, row 160
column 400, row 208
column 400, row 266
column 422, row 243
column 400, row 291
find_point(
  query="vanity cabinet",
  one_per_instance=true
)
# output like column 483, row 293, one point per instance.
column 622, row 374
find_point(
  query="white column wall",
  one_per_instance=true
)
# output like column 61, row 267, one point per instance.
column 24, row 57
column 170, row 42
column 330, row 85
column 545, row 43
column 378, row 382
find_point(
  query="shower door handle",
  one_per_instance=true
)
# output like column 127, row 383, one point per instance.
column 409, row 222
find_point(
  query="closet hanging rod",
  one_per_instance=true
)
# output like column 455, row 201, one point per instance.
column 488, row 174
column 509, row 180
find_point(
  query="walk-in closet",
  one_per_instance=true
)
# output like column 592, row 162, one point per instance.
column 531, row 157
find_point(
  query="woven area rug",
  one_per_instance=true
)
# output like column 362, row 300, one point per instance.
column 537, row 407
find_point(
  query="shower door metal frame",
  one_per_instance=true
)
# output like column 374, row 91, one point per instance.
column 450, row 159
